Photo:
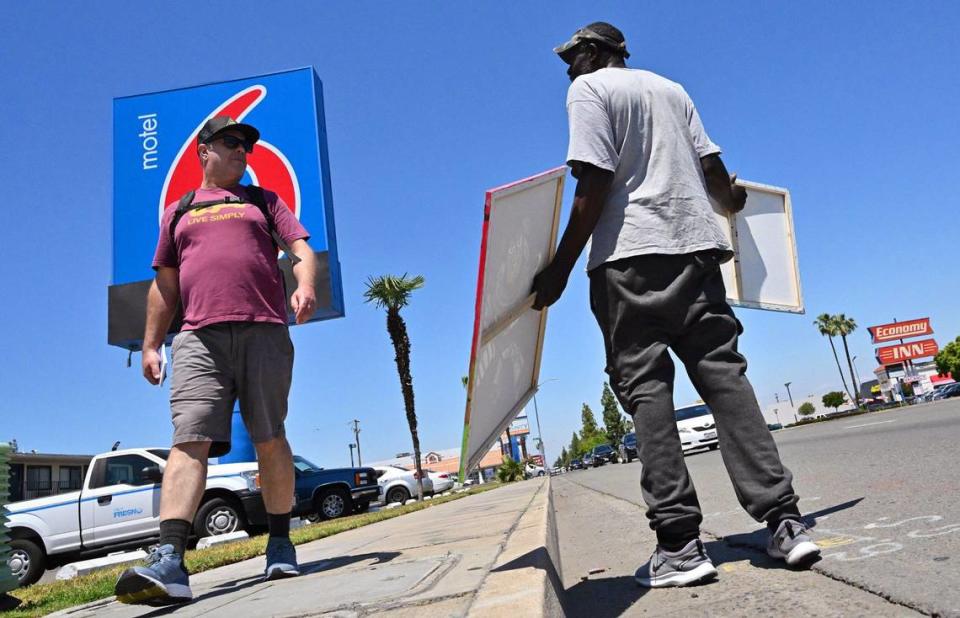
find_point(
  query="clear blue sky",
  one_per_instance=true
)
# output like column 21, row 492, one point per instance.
column 849, row 105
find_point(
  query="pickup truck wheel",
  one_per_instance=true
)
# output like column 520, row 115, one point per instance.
column 397, row 494
column 217, row 516
column 333, row 503
column 26, row 561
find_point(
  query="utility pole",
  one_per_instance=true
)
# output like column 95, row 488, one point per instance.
column 352, row 446
column 356, row 438
column 787, row 384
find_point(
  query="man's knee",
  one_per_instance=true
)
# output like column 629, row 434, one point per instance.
column 192, row 450
column 272, row 446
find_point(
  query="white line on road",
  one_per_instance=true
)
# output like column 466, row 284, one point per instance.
column 868, row 424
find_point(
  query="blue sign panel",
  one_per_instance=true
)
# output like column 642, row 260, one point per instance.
column 155, row 163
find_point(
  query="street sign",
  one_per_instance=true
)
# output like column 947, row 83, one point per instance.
column 155, row 162
column 900, row 330
column 895, row 354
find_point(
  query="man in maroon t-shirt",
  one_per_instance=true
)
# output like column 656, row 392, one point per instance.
column 220, row 261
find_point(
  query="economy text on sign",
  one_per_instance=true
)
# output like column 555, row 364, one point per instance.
column 891, row 355
column 900, row 330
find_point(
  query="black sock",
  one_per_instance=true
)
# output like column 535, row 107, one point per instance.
column 175, row 532
column 674, row 542
column 279, row 525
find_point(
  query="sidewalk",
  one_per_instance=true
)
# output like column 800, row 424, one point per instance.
column 484, row 555
column 605, row 538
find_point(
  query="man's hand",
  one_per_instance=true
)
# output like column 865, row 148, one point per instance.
column 738, row 193
column 304, row 302
column 548, row 285
column 150, row 359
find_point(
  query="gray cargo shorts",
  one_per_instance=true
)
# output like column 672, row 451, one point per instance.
column 216, row 365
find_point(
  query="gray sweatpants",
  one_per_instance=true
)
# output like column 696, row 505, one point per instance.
column 644, row 305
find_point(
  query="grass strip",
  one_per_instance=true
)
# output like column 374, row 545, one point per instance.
column 42, row 599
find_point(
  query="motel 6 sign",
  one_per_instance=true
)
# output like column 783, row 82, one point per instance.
column 155, row 163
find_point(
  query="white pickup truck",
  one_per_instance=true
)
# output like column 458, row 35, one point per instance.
column 119, row 506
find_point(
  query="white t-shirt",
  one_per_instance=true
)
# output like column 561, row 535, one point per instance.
column 646, row 130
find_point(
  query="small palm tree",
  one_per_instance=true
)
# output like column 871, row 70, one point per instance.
column 844, row 327
column 510, row 470
column 393, row 293
column 825, row 324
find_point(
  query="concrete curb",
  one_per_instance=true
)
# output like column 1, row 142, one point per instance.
column 85, row 567
column 526, row 576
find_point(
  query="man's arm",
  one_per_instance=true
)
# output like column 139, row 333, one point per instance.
column 593, row 187
column 304, row 298
column 721, row 185
column 162, row 301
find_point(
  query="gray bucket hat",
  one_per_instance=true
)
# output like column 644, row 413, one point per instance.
column 600, row 32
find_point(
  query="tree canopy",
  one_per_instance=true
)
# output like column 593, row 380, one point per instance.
column 948, row 359
column 613, row 419
column 834, row 399
column 806, row 409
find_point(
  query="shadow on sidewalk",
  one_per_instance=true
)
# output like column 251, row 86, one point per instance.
column 602, row 598
column 730, row 548
column 307, row 568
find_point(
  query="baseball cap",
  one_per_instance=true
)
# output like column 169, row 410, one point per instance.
column 599, row 32
column 218, row 124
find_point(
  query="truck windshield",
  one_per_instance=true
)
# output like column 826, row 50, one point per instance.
column 689, row 412
column 162, row 453
column 302, row 465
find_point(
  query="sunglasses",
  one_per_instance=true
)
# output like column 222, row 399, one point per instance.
column 232, row 142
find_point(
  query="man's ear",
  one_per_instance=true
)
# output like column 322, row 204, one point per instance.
column 202, row 150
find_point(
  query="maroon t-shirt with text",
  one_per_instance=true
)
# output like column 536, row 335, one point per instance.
column 227, row 261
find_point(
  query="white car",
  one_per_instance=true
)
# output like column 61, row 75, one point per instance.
column 441, row 481
column 697, row 427
column 533, row 470
column 397, row 484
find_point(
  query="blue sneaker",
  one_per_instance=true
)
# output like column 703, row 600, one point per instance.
column 163, row 581
column 281, row 559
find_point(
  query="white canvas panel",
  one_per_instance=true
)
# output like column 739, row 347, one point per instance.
column 765, row 273
column 519, row 239
column 518, row 247
column 505, row 378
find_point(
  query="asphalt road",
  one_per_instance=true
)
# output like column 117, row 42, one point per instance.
column 883, row 490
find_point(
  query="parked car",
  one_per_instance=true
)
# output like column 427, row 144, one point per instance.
column 532, row 470
column 950, row 391
column 603, row 453
column 774, row 426
column 587, row 460
column 397, row 484
column 118, row 507
column 576, row 464
column 628, row 448
column 327, row 494
column 697, row 427
column 442, row 481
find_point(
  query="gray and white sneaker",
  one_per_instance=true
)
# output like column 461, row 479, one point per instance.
column 687, row 566
column 792, row 544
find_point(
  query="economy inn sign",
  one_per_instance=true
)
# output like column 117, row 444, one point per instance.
column 896, row 354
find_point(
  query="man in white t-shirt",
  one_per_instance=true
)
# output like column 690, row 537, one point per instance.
column 646, row 171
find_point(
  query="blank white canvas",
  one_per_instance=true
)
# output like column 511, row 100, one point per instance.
column 520, row 241
column 765, row 273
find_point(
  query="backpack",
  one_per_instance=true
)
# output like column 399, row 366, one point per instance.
column 258, row 199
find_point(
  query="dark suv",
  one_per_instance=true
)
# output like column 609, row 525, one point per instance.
column 603, row 454
column 628, row 448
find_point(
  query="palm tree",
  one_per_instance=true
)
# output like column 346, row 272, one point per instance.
column 393, row 293
column 827, row 328
column 845, row 326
